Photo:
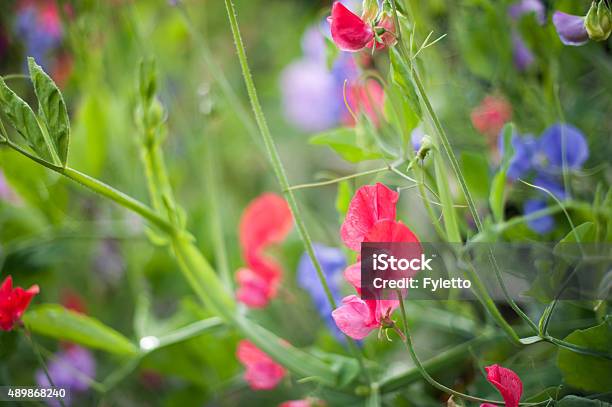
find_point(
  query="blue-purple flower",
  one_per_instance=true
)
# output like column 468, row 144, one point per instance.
column 39, row 27
column 312, row 93
column 521, row 54
column 72, row 369
column 523, row 7
column 522, row 160
column 563, row 144
column 542, row 224
column 570, row 28
column 333, row 262
column 7, row 193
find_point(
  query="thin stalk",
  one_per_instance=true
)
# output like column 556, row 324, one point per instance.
column 221, row 260
column 102, row 189
column 277, row 164
column 42, row 363
column 442, row 137
column 339, row 179
column 409, row 345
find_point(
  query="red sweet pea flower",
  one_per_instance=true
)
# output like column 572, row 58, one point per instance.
column 13, row 302
column 507, row 382
column 349, row 31
column 370, row 204
column 262, row 373
column 368, row 98
column 490, row 116
column 265, row 221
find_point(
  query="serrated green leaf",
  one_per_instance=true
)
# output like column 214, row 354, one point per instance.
column 52, row 109
column 586, row 372
column 23, row 119
column 57, row 322
column 344, row 142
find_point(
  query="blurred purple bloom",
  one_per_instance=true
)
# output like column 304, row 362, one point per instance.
column 570, row 28
column 309, row 91
column 108, row 262
column 550, row 184
column 540, row 225
column 522, row 7
column 559, row 138
column 524, row 150
column 332, row 262
column 70, row 369
column 416, row 138
column 40, row 30
column 521, row 54
column 312, row 94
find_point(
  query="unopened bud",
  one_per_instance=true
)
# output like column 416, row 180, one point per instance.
column 598, row 21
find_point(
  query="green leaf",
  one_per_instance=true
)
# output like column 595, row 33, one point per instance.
column 568, row 247
column 476, row 172
column 52, row 109
column 57, row 322
column 575, row 401
column 23, row 119
column 344, row 141
column 586, row 372
column 401, row 76
column 446, row 199
column 497, row 195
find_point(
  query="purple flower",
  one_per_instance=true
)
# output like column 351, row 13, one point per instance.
column 560, row 138
column 70, row 369
column 332, row 262
column 550, row 184
column 309, row 96
column 521, row 54
column 522, row 7
column 416, row 138
column 542, row 224
column 40, row 30
column 524, row 150
column 313, row 94
column 570, row 28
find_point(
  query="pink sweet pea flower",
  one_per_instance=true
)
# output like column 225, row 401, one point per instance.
column 490, row 116
column 355, row 318
column 367, row 98
column 262, row 373
column 266, row 220
column 370, row 204
column 349, row 31
column 310, row 402
column 507, row 382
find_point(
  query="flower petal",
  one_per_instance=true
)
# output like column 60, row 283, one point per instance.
column 570, row 28
column 370, row 204
column 507, row 382
column 353, row 317
column 560, row 138
column 349, row 31
column 266, row 220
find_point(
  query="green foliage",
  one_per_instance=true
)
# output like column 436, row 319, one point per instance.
column 57, row 322
column 475, row 168
column 346, row 142
column 587, row 372
column 52, row 111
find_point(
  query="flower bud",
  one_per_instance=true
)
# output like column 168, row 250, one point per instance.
column 426, row 145
column 598, row 21
column 370, row 10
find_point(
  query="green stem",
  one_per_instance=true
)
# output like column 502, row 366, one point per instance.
column 409, row 345
column 276, row 162
column 102, row 189
column 442, row 137
column 339, row 179
column 42, row 363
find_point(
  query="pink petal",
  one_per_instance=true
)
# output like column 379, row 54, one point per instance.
column 253, row 290
column 352, row 274
column 266, row 220
column 353, row 317
column 507, row 382
column 386, row 230
column 262, row 373
column 349, row 32
column 370, row 204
